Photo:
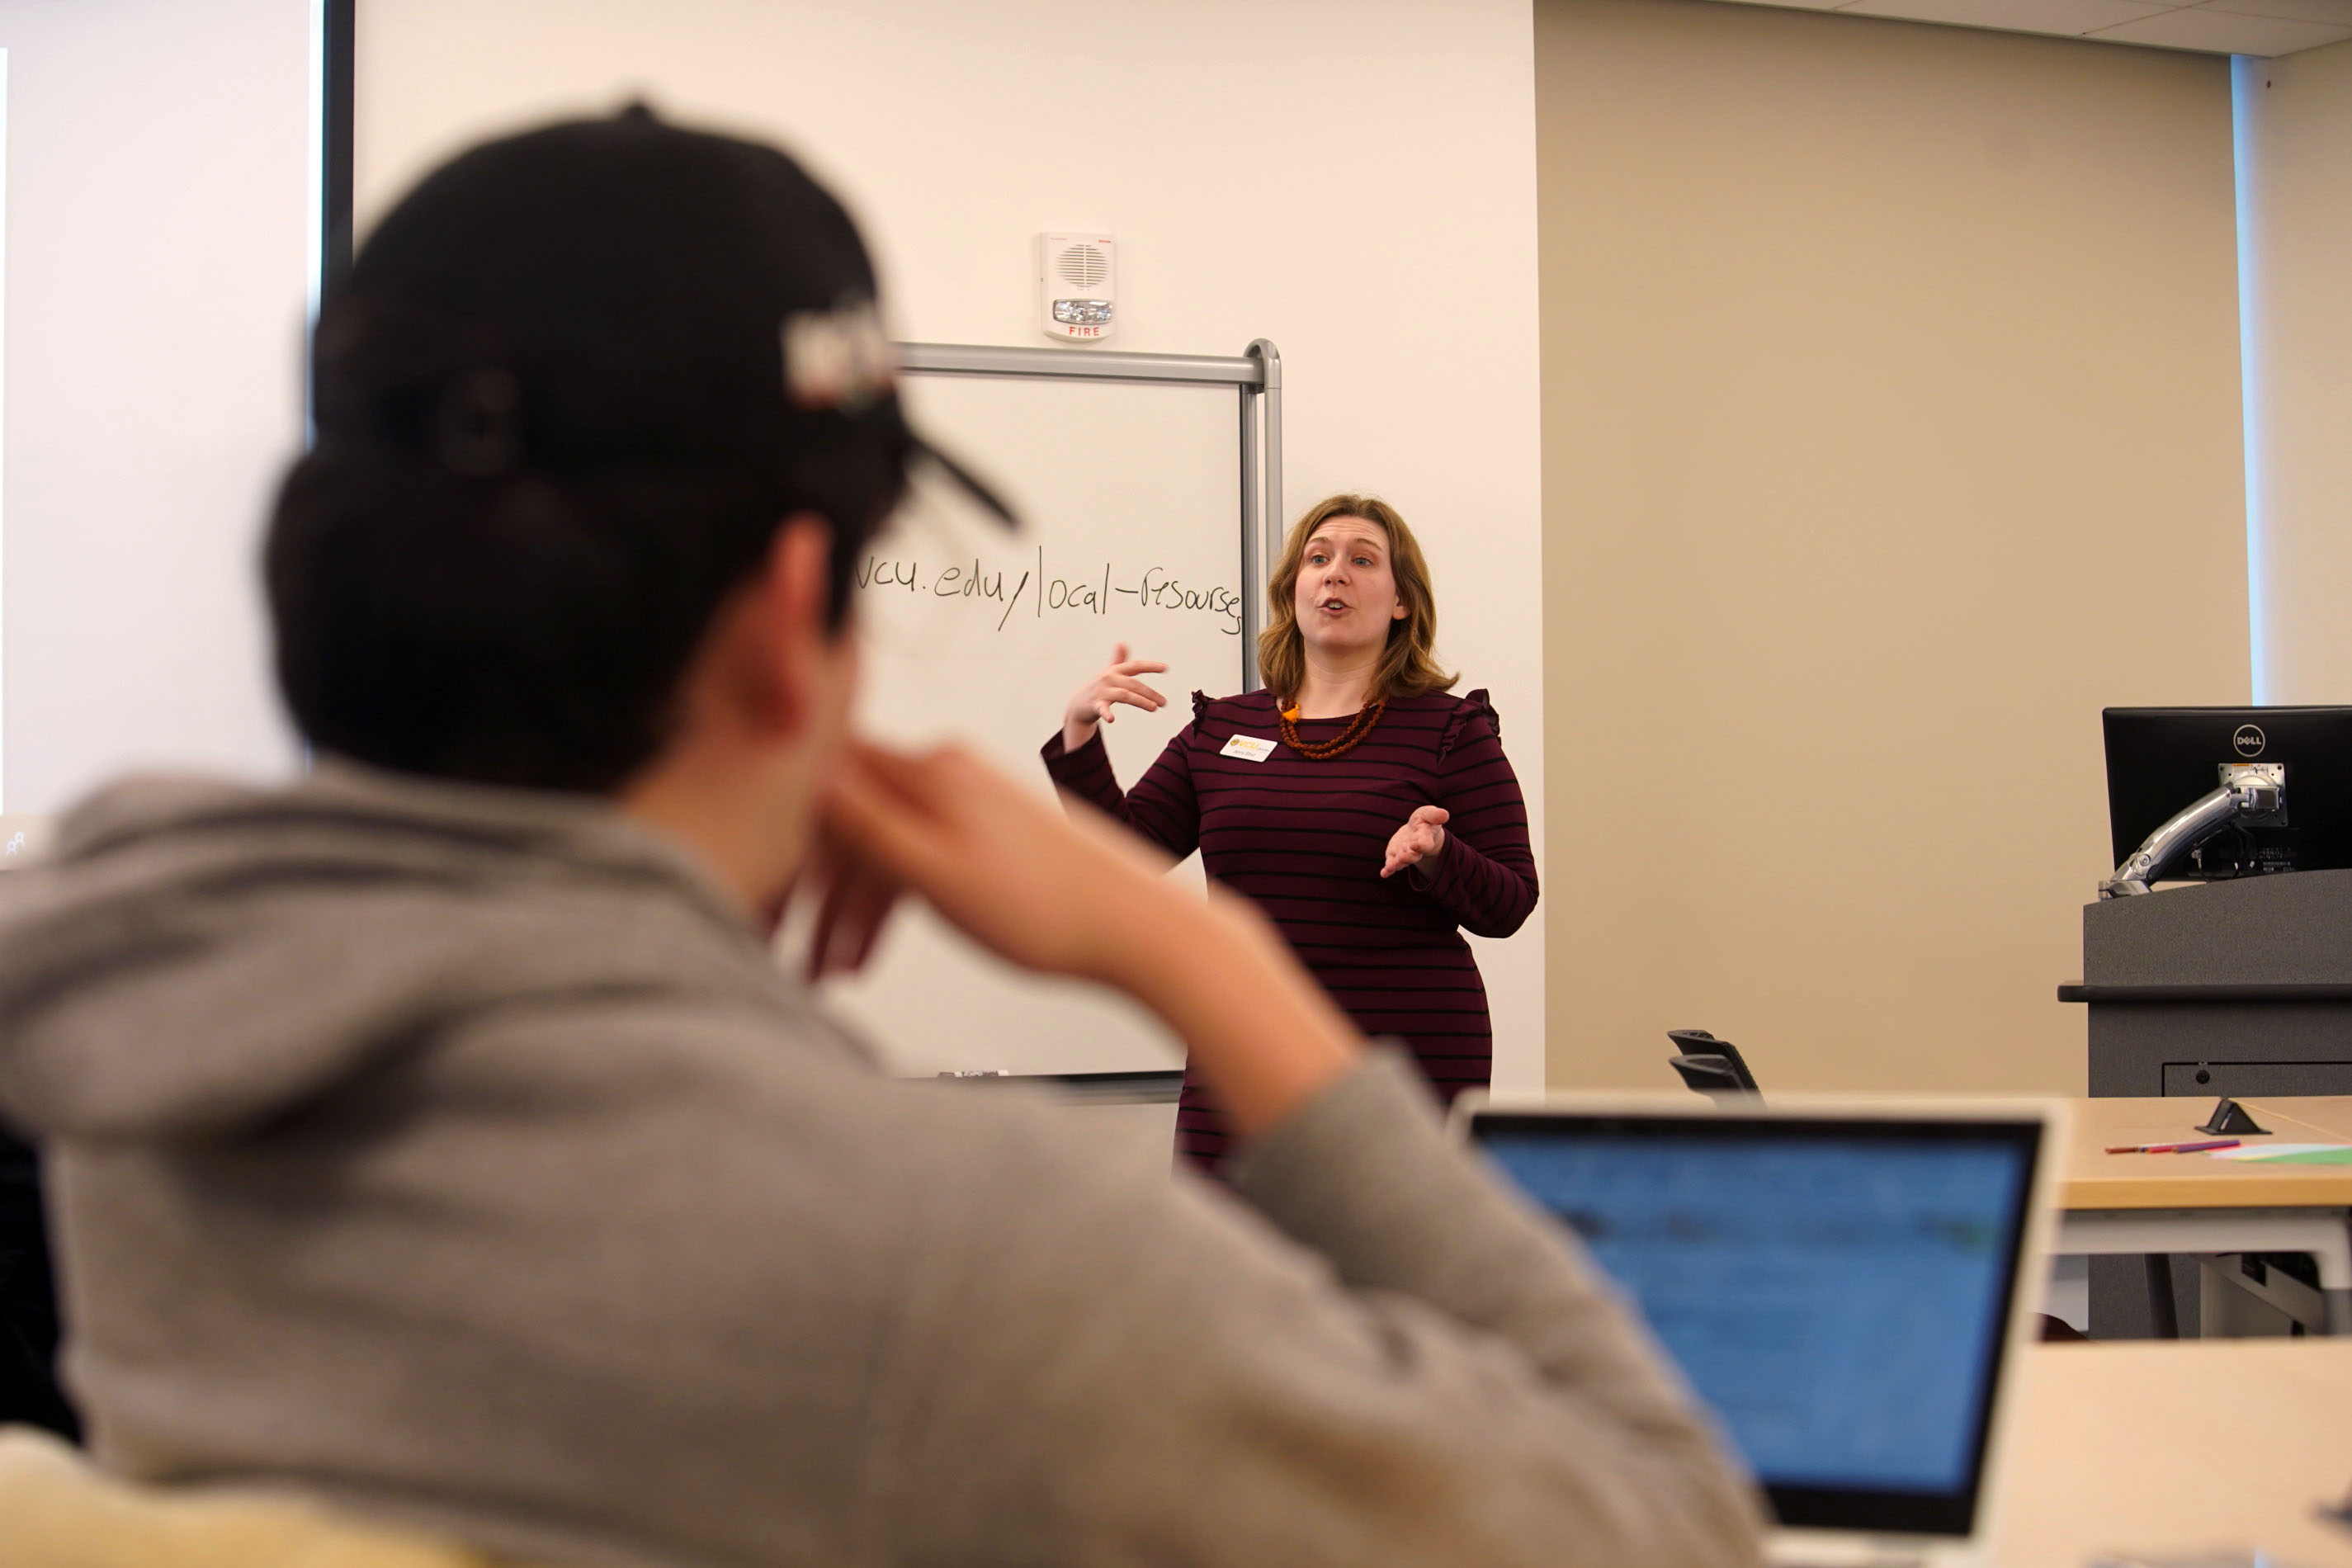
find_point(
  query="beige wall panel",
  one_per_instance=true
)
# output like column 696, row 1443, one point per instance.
column 1891, row 430
column 2299, row 125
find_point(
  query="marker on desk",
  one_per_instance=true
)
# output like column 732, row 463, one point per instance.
column 2173, row 1148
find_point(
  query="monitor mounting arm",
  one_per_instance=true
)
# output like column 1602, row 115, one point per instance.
column 2250, row 792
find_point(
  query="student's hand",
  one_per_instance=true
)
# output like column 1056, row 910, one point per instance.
column 1114, row 685
column 854, row 896
column 1001, row 863
column 1422, row 836
column 1072, row 893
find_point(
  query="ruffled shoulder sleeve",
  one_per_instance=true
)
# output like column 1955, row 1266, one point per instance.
column 1247, row 709
column 1472, row 708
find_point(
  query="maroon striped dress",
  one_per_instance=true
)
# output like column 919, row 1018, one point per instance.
column 1306, row 840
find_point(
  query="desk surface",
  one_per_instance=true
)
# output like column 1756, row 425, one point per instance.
column 2136, row 1447
column 2093, row 1179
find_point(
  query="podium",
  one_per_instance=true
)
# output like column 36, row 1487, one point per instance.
column 2201, row 990
column 2214, row 988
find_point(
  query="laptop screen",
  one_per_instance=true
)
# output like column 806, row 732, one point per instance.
column 1837, row 1290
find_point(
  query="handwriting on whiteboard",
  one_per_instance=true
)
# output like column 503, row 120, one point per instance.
column 1030, row 590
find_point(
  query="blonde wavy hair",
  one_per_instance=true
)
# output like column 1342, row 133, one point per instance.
column 1406, row 667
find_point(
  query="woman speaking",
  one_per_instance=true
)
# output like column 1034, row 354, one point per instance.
column 1369, row 813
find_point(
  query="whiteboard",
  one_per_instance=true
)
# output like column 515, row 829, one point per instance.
column 1130, row 496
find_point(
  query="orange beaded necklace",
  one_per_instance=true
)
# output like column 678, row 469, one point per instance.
column 1323, row 751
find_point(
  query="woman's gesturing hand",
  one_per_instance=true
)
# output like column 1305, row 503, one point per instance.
column 1422, row 836
column 1114, row 685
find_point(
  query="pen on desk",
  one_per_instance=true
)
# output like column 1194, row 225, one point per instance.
column 2173, row 1148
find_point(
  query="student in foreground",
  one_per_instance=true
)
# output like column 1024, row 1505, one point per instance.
column 436, row 1136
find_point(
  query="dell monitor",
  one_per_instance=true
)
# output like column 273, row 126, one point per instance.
column 2160, row 760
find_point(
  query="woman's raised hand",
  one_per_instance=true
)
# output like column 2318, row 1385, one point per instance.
column 1114, row 685
column 1422, row 836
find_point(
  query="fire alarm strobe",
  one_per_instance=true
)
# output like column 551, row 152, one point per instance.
column 1078, row 276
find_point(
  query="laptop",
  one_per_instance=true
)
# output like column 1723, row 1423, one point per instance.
column 1843, row 1283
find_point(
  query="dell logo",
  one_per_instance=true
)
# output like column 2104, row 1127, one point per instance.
column 2249, row 740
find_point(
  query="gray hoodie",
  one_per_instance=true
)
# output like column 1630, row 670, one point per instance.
column 457, row 1155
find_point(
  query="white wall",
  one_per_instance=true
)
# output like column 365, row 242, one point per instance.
column 2296, row 116
column 1354, row 179
column 158, row 201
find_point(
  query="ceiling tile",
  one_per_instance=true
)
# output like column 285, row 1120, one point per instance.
column 2225, row 32
column 2064, row 17
column 2338, row 13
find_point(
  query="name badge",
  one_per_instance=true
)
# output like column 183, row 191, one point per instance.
column 1248, row 747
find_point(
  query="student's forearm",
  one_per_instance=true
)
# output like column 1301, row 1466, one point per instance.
column 1364, row 1177
column 1263, row 1034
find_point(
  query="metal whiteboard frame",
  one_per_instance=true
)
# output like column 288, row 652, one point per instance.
column 1256, row 375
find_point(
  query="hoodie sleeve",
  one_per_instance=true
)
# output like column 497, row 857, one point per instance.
column 1388, row 1360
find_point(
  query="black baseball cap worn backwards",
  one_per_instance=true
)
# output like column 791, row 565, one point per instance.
column 602, row 297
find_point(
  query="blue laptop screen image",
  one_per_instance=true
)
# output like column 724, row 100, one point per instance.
column 1838, row 1292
